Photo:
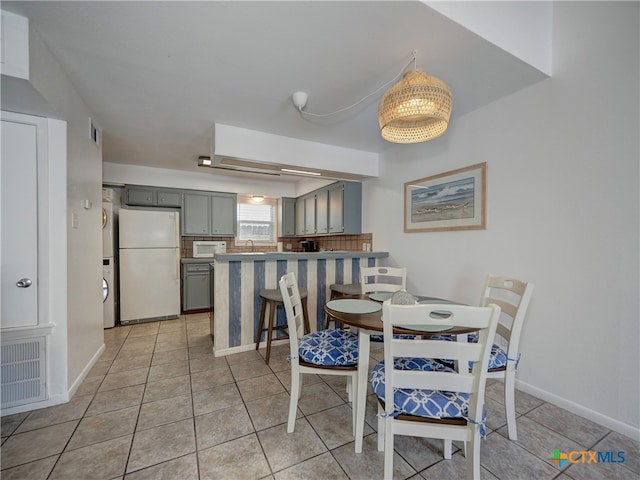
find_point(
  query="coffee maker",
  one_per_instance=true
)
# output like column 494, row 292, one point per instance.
column 308, row 246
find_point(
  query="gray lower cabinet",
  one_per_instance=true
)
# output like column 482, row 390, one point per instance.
column 209, row 214
column 196, row 292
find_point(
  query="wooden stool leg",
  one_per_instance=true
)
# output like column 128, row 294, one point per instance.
column 272, row 315
column 261, row 328
column 305, row 315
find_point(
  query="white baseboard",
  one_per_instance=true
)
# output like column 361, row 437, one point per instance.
column 85, row 371
column 592, row 415
column 27, row 407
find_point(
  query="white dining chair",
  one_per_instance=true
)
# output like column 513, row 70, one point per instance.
column 324, row 352
column 383, row 279
column 512, row 296
column 420, row 397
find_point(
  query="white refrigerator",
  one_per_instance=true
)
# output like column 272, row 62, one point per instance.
column 149, row 265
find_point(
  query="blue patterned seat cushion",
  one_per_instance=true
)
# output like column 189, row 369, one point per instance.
column 422, row 403
column 497, row 359
column 329, row 347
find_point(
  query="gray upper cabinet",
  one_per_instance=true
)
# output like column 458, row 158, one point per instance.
column 168, row 198
column 142, row 195
column 309, row 214
column 139, row 195
column 224, row 212
column 322, row 212
column 300, row 206
column 196, row 214
column 345, row 208
column 331, row 210
column 286, row 217
column 209, row 214
column 336, row 209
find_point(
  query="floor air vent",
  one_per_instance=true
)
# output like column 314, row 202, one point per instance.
column 23, row 372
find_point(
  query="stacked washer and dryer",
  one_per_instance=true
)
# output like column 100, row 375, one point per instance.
column 109, row 260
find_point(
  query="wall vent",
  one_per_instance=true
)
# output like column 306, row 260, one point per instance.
column 23, row 372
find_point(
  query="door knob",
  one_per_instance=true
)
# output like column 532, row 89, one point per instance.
column 23, row 283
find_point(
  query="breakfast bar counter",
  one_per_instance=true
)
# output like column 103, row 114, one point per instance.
column 239, row 277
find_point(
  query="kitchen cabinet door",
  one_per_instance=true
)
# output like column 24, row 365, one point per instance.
column 322, row 212
column 336, row 209
column 300, row 211
column 196, row 294
column 196, row 211
column 286, row 217
column 169, row 198
column 224, row 212
column 143, row 196
column 309, row 215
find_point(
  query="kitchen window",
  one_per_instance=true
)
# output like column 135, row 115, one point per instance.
column 256, row 221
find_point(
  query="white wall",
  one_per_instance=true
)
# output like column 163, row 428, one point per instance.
column 563, row 212
column 84, row 243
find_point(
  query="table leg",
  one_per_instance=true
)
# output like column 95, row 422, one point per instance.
column 363, row 379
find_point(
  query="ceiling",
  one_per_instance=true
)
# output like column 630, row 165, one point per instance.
column 157, row 76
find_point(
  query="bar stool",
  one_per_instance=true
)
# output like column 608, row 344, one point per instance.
column 339, row 290
column 273, row 298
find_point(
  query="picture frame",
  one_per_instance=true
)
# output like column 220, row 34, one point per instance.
column 453, row 200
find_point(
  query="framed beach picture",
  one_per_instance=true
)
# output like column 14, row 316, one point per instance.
column 454, row 200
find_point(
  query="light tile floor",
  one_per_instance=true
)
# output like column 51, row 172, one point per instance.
column 158, row 405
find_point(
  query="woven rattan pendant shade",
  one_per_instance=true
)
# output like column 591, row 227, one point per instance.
column 415, row 109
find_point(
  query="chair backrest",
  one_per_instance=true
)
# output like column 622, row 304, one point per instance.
column 512, row 296
column 423, row 318
column 293, row 308
column 383, row 279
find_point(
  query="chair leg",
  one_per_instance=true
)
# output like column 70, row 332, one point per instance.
column 380, row 429
column 293, row 401
column 261, row 328
column 305, row 316
column 510, row 404
column 447, row 449
column 272, row 315
column 388, row 449
column 353, row 382
column 473, row 457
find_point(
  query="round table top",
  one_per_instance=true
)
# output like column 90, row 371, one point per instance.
column 373, row 321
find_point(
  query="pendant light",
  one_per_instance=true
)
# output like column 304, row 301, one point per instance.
column 416, row 109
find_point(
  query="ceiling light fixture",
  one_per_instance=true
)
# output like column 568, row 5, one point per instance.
column 416, row 109
column 301, row 172
column 257, row 198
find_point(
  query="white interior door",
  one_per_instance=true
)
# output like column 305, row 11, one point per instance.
column 19, row 225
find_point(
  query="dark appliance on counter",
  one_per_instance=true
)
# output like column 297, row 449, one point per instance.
column 309, row 246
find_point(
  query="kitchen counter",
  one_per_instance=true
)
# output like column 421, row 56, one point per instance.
column 239, row 277
column 230, row 257
column 196, row 260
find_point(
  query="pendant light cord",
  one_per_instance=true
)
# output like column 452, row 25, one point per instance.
column 366, row 97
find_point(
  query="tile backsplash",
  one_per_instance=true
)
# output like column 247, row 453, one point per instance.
column 326, row 242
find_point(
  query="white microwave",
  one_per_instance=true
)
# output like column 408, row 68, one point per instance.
column 207, row 249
